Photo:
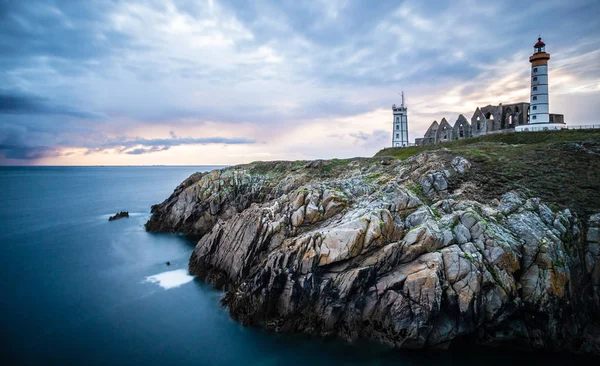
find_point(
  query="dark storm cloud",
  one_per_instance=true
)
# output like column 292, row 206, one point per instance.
column 26, row 152
column 13, row 144
column 26, row 135
column 22, row 103
column 130, row 146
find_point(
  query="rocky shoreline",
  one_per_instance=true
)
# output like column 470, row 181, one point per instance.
column 383, row 249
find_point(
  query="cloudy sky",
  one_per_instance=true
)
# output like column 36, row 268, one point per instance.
column 223, row 81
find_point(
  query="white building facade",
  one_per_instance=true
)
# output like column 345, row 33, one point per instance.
column 400, row 125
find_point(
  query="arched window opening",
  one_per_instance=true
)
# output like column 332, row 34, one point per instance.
column 489, row 116
column 507, row 120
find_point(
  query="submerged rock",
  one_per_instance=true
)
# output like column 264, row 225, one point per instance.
column 379, row 251
column 119, row 215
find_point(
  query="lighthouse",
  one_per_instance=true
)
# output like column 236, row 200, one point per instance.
column 539, row 111
column 400, row 125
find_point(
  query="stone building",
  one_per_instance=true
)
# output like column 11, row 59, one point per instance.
column 522, row 116
column 485, row 120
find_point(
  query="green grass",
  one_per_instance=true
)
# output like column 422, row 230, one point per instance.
column 270, row 167
column 520, row 138
column 373, row 176
column 560, row 167
column 402, row 153
column 277, row 169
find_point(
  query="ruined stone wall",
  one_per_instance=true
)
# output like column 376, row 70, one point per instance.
column 430, row 136
column 557, row 118
column 514, row 115
column 444, row 132
column 485, row 120
column 461, row 129
column 493, row 117
column 478, row 124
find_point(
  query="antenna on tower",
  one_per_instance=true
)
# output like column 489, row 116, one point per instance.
column 402, row 95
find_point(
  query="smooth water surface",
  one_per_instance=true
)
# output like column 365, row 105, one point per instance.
column 77, row 289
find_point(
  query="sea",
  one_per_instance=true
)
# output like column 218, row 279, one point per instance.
column 76, row 289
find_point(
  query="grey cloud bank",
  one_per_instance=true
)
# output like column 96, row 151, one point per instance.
column 154, row 145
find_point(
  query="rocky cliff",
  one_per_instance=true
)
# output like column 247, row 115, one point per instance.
column 392, row 250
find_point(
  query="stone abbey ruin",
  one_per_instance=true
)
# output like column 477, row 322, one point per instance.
column 485, row 120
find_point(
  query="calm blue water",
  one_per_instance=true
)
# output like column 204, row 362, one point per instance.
column 74, row 286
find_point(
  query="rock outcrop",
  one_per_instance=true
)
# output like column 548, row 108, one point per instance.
column 384, row 250
column 119, row 215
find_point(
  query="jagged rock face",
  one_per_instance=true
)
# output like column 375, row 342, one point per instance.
column 203, row 198
column 592, row 258
column 384, row 251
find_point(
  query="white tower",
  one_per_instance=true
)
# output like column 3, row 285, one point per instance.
column 539, row 111
column 400, row 125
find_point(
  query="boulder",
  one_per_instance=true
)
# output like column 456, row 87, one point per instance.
column 460, row 164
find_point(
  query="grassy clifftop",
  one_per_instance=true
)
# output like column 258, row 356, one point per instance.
column 561, row 167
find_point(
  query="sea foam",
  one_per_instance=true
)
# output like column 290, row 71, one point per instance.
column 170, row 279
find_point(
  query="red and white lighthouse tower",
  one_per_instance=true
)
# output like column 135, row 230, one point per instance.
column 539, row 111
column 540, row 117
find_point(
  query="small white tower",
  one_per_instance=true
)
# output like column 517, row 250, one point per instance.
column 539, row 109
column 400, row 125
